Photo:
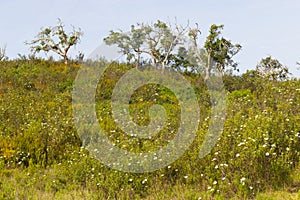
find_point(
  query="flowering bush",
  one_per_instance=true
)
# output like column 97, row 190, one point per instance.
column 258, row 149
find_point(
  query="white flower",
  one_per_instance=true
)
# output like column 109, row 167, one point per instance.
column 185, row 177
column 237, row 155
column 242, row 179
column 215, row 182
column 267, row 154
column 144, row 181
column 240, row 144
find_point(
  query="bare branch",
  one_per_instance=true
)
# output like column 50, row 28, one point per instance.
column 2, row 53
column 55, row 39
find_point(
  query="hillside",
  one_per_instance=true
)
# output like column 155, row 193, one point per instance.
column 42, row 156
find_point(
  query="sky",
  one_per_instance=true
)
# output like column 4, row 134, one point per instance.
column 263, row 27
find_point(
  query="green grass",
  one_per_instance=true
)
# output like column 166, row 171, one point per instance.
column 41, row 156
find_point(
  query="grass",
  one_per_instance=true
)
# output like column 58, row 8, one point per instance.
column 41, row 155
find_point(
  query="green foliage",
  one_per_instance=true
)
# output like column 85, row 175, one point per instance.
column 41, row 155
column 220, row 50
column 272, row 69
column 55, row 39
column 157, row 41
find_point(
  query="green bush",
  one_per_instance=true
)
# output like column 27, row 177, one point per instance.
column 258, row 149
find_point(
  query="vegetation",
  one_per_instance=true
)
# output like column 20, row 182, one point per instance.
column 160, row 41
column 42, row 156
column 258, row 150
column 272, row 69
column 55, row 39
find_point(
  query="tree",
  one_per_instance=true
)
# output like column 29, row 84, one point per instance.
column 55, row 39
column 2, row 53
column 130, row 43
column 157, row 41
column 218, row 50
column 272, row 69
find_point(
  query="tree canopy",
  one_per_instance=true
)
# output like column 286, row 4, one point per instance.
column 56, row 39
column 176, row 46
column 272, row 69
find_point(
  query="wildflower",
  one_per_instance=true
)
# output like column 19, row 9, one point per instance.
column 237, row 155
column 240, row 144
column 144, row 181
column 242, row 180
column 185, row 177
column 267, row 154
column 215, row 182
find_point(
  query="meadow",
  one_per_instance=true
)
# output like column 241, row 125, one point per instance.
column 42, row 156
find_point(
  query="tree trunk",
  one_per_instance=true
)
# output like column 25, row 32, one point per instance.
column 138, row 61
column 208, row 67
column 154, row 61
column 163, row 66
column 66, row 60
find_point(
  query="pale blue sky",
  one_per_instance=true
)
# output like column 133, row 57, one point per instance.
column 262, row 27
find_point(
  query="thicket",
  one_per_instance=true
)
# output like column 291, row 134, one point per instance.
column 40, row 148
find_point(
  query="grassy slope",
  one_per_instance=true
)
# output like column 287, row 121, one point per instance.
column 45, row 88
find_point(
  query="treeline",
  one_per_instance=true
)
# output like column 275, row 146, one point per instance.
column 162, row 45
